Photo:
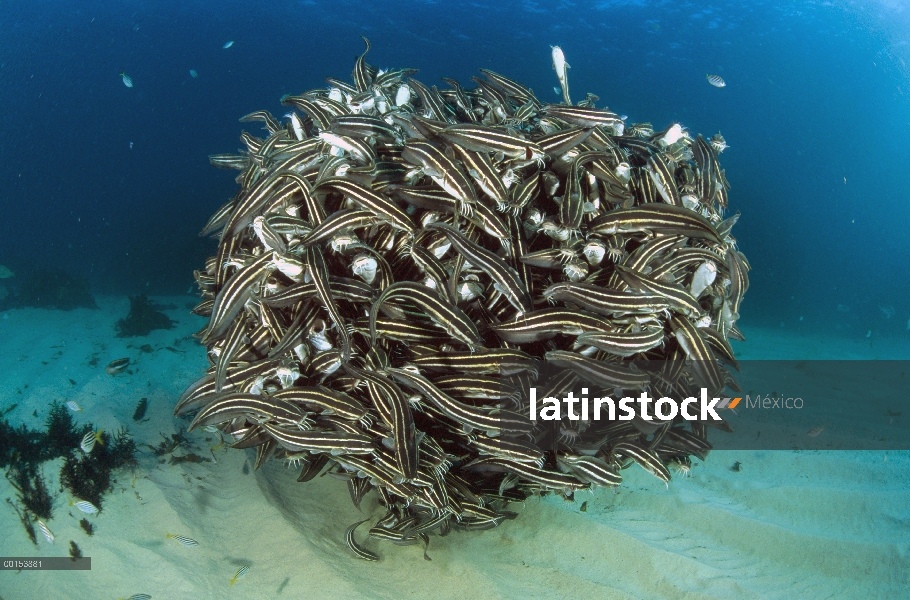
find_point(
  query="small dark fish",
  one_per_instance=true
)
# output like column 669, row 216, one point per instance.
column 117, row 366
column 140, row 409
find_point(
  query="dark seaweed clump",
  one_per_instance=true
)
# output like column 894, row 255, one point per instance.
column 88, row 476
column 167, row 446
column 87, row 526
column 20, row 444
column 61, row 432
column 142, row 318
column 52, row 288
column 22, row 450
column 26, row 519
column 31, row 489
column 75, row 552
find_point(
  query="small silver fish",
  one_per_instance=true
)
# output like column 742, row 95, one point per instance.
column 560, row 66
column 228, row 45
column 85, row 506
column 193, row 73
column 184, row 541
column 716, row 80
column 71, row 404
column 239, row 574
column 127, row 80
column 47, row 532
column 297, row 124
column 137, row 597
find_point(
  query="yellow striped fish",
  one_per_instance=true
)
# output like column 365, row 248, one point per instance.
column 46, row 532
column 239, row 574
column 85, row 506
column 89, row 440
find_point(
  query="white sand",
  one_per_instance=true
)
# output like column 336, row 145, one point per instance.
column 788, row 525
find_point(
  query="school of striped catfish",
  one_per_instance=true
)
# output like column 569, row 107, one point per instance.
column 400, row 262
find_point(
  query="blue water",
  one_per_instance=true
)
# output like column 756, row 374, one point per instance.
column 113, row 183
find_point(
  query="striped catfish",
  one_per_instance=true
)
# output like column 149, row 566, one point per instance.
column 403, row 330
column 404, row 431
column 241, row 286
column 480, row 168
column 488, row 422
column 708, row 373
column 319, row 275
column 237, row 336
column 507, row 280
column 330, row 442
column 451, row 318
column 517, row 450
column 655, row 217
column 266, row 117
column 327, row 400
column 369, row 200
column 560, row 142
column 645, row 457
column 495, row 361
column 230, row 406
column 480, row 138
column 433, row 105
column 677, row 296
column 546, row 323
column 443, row 170
column 625, row 343
column 547, row 479
column 512, row 88
column 476, row 387
column 604, row 301
column 364, row 126
column 356, row 548
column 590, row 469
column 583, row 116
column 599, row 372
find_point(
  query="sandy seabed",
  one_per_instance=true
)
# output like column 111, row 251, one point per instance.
column 802, row 524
